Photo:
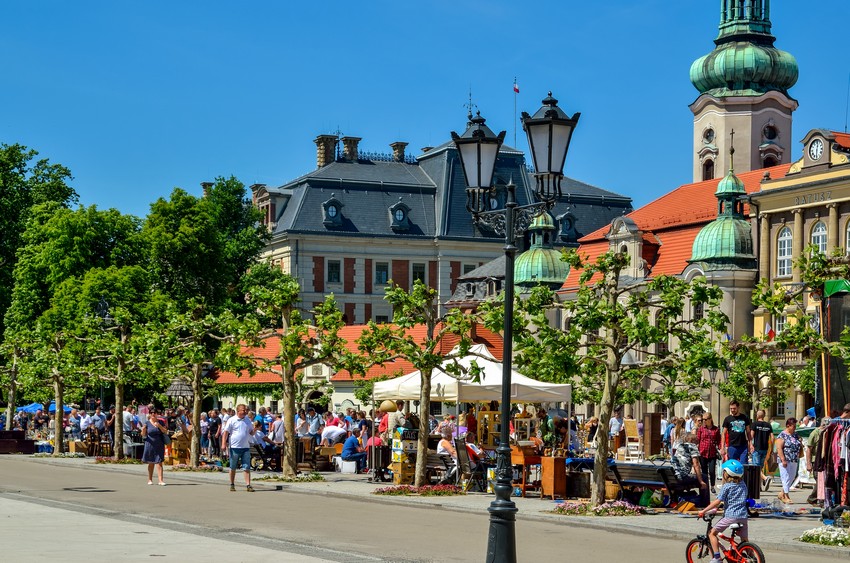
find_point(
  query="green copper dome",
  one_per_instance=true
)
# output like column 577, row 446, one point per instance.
column 731, row 185
column 744, row 61
column 541, row 263
column 727, row 242
column 723, row 241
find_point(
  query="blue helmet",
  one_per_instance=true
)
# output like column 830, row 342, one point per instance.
column 733, row 467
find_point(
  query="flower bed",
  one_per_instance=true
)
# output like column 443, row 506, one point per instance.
column 199, row 469
column 68, row 455
column 424, row 491
column 124, row 461
column 827, row 535
column 305, row 478
column 613, row 508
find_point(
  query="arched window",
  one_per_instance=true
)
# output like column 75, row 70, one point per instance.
column 770, row 161
column 783, row 252
column 708, row 170
column 819, row 236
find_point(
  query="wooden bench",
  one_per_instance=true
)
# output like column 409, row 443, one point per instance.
column 647, row 476
column 438, row 466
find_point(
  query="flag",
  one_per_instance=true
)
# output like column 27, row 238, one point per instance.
column 516, row 88
column 769, row 333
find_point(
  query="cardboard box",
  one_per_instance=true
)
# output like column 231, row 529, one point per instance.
column 400, row 457
column 77, row 447
column 404, row 445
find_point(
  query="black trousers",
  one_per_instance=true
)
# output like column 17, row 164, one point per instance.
column 709, row 470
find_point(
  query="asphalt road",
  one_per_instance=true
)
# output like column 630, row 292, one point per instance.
column 78, row 513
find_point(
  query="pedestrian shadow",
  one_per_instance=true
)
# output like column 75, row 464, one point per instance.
column 87, row 490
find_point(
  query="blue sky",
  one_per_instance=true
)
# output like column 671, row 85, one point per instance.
column 139, row 97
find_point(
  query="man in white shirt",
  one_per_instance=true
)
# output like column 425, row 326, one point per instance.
column 333, row 435
column 615, row 426
column 129, row 426
column 237, row 434
column 85, row 421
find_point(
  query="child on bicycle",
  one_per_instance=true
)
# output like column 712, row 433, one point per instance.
column 733, row 495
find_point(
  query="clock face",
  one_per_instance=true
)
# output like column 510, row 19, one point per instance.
column 816, row 149
column 332, row 211
column 399, row 215
column 494, row 203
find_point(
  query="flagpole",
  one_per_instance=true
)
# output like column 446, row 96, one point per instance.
column 515, row 120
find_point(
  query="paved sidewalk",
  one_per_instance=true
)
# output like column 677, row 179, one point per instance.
column 771, row 532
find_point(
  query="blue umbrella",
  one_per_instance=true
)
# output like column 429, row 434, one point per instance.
column 32, row 408
column 65, row 408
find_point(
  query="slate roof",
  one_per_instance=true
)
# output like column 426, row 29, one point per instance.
column 673, row 222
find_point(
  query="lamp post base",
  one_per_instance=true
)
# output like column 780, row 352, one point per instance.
column 501, row 539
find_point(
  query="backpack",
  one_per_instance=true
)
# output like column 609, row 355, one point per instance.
column 411, row 422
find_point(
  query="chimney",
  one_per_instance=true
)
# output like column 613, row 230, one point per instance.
column 325, row 147
column 349, row 148
column 206, row 187
column 398, row 151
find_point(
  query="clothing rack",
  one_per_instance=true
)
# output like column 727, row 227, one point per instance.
column 842, row 421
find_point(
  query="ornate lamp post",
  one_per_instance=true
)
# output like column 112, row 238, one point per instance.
column 549, row 132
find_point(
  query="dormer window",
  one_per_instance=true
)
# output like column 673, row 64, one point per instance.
column 399, row 217
column 332, row 211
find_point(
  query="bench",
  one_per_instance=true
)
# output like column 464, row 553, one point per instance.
column 437, row 465
column 647, row 476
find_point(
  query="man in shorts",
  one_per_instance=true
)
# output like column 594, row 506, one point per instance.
column 237, row 434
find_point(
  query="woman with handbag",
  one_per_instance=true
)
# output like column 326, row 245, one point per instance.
column 155, row 433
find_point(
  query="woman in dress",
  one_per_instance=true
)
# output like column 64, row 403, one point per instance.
column 154, row 432
column 788, row 447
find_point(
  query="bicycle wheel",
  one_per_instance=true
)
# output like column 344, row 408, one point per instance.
column 750, row 552
column 697, row 550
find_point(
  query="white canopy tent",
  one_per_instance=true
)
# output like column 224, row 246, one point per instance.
column 448, row 388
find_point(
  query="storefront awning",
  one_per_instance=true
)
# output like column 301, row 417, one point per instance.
column 832, row 287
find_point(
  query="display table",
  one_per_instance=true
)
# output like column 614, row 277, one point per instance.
column 524, row 457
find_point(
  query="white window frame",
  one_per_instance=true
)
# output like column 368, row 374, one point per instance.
column 779, row 323
column 819, row 236
column 784, row 243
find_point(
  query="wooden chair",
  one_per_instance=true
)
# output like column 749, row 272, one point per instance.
column 634, row 451
column 465, row 470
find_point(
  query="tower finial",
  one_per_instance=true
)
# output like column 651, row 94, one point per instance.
column 469, row 105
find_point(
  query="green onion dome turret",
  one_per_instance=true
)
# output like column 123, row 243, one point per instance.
column 744, row 61
column 541, row 263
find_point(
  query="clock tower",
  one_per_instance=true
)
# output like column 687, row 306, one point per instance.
column 743, row 85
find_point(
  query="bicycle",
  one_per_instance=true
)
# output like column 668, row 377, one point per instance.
column 699, row 548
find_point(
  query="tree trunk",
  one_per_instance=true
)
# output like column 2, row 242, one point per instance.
column 600, row 460
column 59, row 431
column 424, row 410
column 197, row 402
column 10, row 408
column 118, row 431
column 289, row 465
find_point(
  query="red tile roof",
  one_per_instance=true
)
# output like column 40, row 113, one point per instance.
column 670, row 224
column 350, row 334
column 842, row 139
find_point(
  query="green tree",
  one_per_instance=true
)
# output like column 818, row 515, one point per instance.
column 59, row 247
column 608, row 324
column 24, row 184
column 118, row 315
column 285, row 344
column 383, row 343
column 199, row 249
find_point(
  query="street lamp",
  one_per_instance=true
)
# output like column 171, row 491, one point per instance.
column 549, row 132
column 712, row 376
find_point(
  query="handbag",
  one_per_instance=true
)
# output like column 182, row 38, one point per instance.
column 166, row 439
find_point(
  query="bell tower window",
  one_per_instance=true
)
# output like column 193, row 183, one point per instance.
column 708, row 170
